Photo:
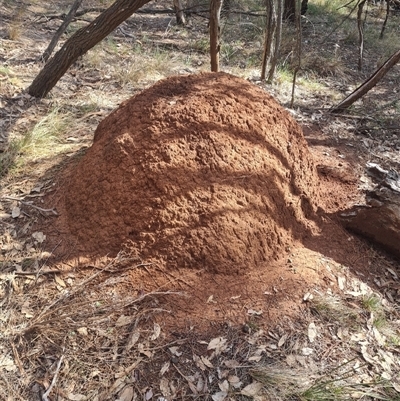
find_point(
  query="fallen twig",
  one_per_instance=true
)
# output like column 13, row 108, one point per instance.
column 53, row 382
column 30, row 204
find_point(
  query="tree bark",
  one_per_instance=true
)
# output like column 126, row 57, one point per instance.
column 215, row 13
column 180, row 15
column 368, row 84
column 82, row 41
column 61, row 30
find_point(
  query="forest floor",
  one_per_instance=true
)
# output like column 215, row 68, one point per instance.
column 318, row 321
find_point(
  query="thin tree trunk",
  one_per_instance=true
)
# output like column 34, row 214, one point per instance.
column 386, row 19
column 269, row 36
column 70, row 16
column 180, row 15
column 368, row 84
column 79, row 43
column 278, row 37
column 298, row 48
column 215, row 14
column 360, row 25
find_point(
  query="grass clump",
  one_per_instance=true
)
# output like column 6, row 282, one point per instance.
column 45, row 134
column 371, row 303
column 333, row 309
column 42, row 140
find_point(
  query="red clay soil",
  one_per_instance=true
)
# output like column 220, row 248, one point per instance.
column 206, row 176
column 204, row 171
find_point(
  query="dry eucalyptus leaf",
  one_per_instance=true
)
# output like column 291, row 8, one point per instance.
column 144, row 351
column 307, row 351
column 25, row 310
column 7, row 363
column 15, row 212
column 149, row 394
column 307, row 297
column 231, row 364
column 210, row 300
column 133, row 339
column 282, row 340
column 164, row 387
column 175, row 351
column 206, row 362
column 218, row 344
column 254, row 358
column 379, row 337
column 123, row 321
column 224, row 386
column 366, row 355
column 192, row 387
column 220, row 396
column 252, row 389
column 312, row 332
column 77, row 397
column 60, row 281
column 200, row 385
column 234, row 381
column 291, row 360
column 157, row 331
column 39, row 236
column 165, row 368
column 341, row 282
column 126, row 394
column 253, row 312
column 83, row 331
column 199, row 363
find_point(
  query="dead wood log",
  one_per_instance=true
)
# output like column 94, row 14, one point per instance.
column 379, row 219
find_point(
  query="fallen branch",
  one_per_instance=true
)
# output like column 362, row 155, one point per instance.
column 30, row 204
column 368, row 84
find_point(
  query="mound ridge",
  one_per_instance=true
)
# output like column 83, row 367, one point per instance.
column 204, row 171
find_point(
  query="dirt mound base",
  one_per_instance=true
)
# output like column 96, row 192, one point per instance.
column 204, row 171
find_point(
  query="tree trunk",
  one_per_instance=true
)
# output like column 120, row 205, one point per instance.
column 61, row 30
column 82, row 41
column 360, row 26
column 215, row 13
column 180, row 15
column 278, row 37
column 386, row 19
column 298, row 51
column 269, row 36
